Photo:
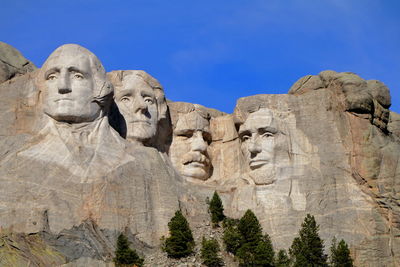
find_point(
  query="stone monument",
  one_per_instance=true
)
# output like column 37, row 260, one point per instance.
column 87, row 155
column 189, row 148
column 141, row 101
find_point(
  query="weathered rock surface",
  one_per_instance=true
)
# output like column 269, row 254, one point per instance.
column 12, row 63
column 330, row 147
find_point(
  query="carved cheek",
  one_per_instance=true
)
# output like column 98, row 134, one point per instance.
column 268, row 144
column 50, row 89
column 245, row 150
column 124, row 108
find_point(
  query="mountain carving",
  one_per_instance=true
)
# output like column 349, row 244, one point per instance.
column 86, row 155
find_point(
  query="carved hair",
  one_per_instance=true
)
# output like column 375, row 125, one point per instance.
column 103, row 89
column 117, row 77
column 244, row 108
column 178, row 108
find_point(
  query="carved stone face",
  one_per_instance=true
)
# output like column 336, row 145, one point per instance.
column 68, row 87
column 137, row 103
column 258, row 137
column 188, row 151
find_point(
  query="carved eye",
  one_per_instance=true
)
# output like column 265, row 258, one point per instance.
column 245, row 137
column 148, row 100
column 51, row 77
column 124, row 99
column 267, row 134
column 78, row 76
column 185, row 135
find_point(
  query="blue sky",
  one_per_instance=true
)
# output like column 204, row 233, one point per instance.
column 213, row 52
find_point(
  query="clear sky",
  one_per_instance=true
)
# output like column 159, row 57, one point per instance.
column 213, row 52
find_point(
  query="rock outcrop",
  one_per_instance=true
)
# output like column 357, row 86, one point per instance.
column 72, row 179
column 12, row 63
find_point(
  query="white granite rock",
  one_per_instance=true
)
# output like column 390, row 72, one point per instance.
column 73, row 180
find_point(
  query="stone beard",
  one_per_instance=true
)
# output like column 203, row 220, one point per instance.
column 188, row 151
column 137, row 103
column 261, row 141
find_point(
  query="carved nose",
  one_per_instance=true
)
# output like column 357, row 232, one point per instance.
column 64, row 86
column 198, row 143
column 139, row 105
column 254, row 146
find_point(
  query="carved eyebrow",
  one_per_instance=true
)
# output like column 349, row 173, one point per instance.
column 244, row 132
column 52, row 70
column 75, row 69
column 148, row 94
column 125, row 94
column 268, row 129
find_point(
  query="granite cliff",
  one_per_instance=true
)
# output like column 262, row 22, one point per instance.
column 75, row 174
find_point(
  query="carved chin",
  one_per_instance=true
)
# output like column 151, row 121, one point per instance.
column 140, row 131
column 195, row 172
column 263, row 176
column 66, row 114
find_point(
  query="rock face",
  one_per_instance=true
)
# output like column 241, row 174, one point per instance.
column 12, row 63
column 75, row 174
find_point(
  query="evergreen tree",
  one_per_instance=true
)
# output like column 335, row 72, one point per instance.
column 209, row 253
column 245, row 240
column 264, row 253
column 232, row 239
column 229, row 222
column 250, row 228
column 180, row 243
column 255, row 249
column 216, row 209
column 340, row 254
column 282, row 259
column 308, row 248
column 125, row 256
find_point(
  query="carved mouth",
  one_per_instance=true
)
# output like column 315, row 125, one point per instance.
column 257, row 163
column 197, row 161
column 140, row 122
column 199, row 164
column 63, row 99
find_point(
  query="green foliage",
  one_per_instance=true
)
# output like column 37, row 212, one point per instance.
column 230, row 222
column 282, row 259
column 261, row 254
column 124, row 255
column 232, row 239
column 209, row 253
column 180, row 243
column 250, row 228
column 264, row 253
column 245, row 240
column 340, row 254
column 216, row 209
column 308, row 248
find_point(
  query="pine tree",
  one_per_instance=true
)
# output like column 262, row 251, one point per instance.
column 209, row 253
column 180, row 243
column 308, row 248
column 340, row 254
column 245, row 240
column 216, row 209
column 250, row 228
column 282, row 259
column 255, row 249
column 232, row 239
column 125, row 256
column 264, row 253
